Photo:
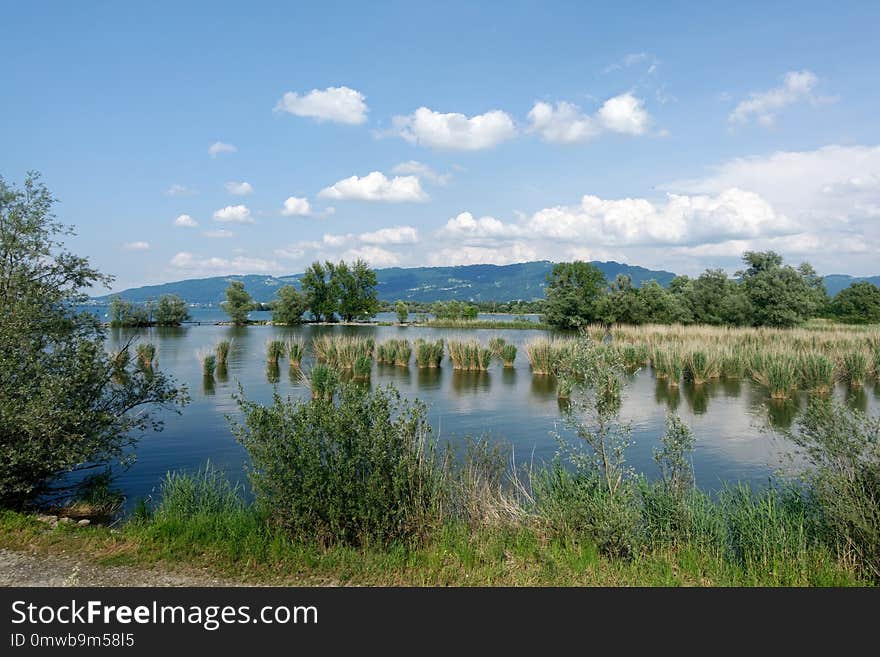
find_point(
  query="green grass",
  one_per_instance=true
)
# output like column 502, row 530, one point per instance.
column 146, row 354
column 469, row 355
column 429, row 354
column 275, row 349
column 223, row 349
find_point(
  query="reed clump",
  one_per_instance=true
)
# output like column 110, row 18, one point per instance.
column 275, row 350
column 394, row 352
column 341, row 351
column 545, row 354
column 296, row 349
column 429, row 354
column 145, row 353
column 224, row 347
column 817, row 372
column 469, row 355
column 508, row 355
column 208, row 359
column 854, row 367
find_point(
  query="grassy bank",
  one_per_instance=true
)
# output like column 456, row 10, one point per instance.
column 239, row 547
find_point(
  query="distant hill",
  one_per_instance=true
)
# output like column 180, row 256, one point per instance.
column 524, row 281
column 836, row 282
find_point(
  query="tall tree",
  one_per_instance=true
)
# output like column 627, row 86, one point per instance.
column 857, row 304
column 238, row 303
column 573, row 288
column 289, row 307
column 320, row 295
column 61, row 407
column 780, row 295
column 402, row 312
column 171, row 311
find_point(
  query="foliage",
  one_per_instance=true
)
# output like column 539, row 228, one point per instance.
column 857, row 304
column 319, row 291
column 402, row 311
column 289, row 307
column 355, row 471
column 454, row 310
column 356, row 286
column 170, row 311
column 573, row 289
column 127, row 314
column 781, row 295
column 238, row 303
column 63, row 405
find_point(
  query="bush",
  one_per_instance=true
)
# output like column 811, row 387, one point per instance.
column 356, row 471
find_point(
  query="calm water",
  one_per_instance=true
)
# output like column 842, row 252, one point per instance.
column 729, row 418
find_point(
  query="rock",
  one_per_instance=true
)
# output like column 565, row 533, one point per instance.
column 50, row 519
column 65, row 520
column 84, row 522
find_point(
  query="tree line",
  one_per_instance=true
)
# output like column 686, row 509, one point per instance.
column 766, row 292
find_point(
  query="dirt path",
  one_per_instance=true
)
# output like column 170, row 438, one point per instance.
column 25, row 569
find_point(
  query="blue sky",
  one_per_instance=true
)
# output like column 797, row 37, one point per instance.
column 407, row 133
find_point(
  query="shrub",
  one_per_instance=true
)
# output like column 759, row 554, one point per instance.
column 355, row 472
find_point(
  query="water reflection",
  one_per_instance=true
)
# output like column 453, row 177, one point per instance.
column 273, row 372
column 666, row 394
column 857, row 398
column 208, row 387
column 731, row 387
column 508, row 376
column 464, row 381
column 429, row 378
column 543, row 387
column 223, row 373
column 697, row 396
column 782, row 412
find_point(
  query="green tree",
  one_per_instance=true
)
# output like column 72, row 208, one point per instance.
column 355, row 286
column 573, row 288
column 289, row 307
column 402, row 312
column 857, row 304
column 125, row 313
column 171, row 311
column 238, row 303
column 780, row 295
column 320, row 297
column 659, row 305
column 62, row 410
column 622, row 304
column 470, row 312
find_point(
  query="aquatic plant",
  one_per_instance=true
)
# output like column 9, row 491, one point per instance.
column 275, row 349
column 323, row 381
column 295, row 351
column 223, row 348
column 508, row 354
column 363, row 367
column 341, row 351
column 208, row 359
column 469, row 355
column 429, row 354
column 817, row 372
column 854, row 367
column 496, row 345
column 146, row 354
column 701, row 365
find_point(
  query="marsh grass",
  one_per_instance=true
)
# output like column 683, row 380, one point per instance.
column 275, row 350
column 296, row 350
column 817, row 372
column 508, row 355
column 208, row 358
column 469, row 355
column 322, row 381
column 429, row 354
column 702, row 365
column 545, row 354
column 855, row 366
column 224, row 347
column 341, row 351
column 394, row 352
column 363, row 367
column 496, row 345
column 145, row 353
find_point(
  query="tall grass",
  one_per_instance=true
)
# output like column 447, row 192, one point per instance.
column 296, row 349
column 429, row 354
column 342, row 351
column 469, row 355
column 508, row 354
column 816, row 372
column 546, row 354
column 275, row 350
column 496, row 345
column 208, row 359
column 223, row 348
column 854, row 367
column 702, row 365
column 394, row 352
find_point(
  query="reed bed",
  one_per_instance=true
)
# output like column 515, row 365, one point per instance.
column 275, row 350
column 508, row 354
column 394, row 352
column 545, row 355
column 208, row 358
column 363, row 367
column 296, row 349
column 342, row 351
column 469, row 355
column 429, row 354
column 224, row 347
column 496, row 345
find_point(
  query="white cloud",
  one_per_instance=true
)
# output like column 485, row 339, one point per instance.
column 239, row 188
column 464, row 225
column 566, row 123
column 185, row 221
column 376, row 187
column 296, row 207
column 219, row 147
column 179, row 190
column 504, row 254
column 374, row 256
column 236, row 265
column 339, row 104
column 136, row 246
column 392, row 235
column 454, row 131
column 763, row 105
column 423, row 171
column 219, row 233
column 634, row 59
column 234, row 214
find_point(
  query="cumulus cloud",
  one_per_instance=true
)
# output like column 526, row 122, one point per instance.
column 797, row 86
column 239, row 188
column 136, row 246
column 296, row 207
column 502, row 254
column 219, row 147
column 374, row 256
column 237, row 265
column 393, row 235
column 423, row 171
column 220, row 233
column 234, row 214
column 566, row 123
column 634, row 59
column 454, row 131
column 339, row 104
column 376, row 187
column 185, row 221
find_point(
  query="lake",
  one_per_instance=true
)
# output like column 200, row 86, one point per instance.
column 730, row 419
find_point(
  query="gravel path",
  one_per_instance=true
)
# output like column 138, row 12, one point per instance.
column 24, row 569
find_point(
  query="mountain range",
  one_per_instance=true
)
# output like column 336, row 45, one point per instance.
column 521, row 281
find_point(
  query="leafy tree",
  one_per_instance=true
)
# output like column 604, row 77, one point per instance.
column 402, row 311
column 356, row 287
column 857, row 304
column 171, row 311
column 573, row 288
column 126, row 313
column 289, row 307
column 780, row 295
column 659, row 305
column 470, row 312
column 320, row 297
column 238, row 303
column 622, row 304
column 62, row 410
